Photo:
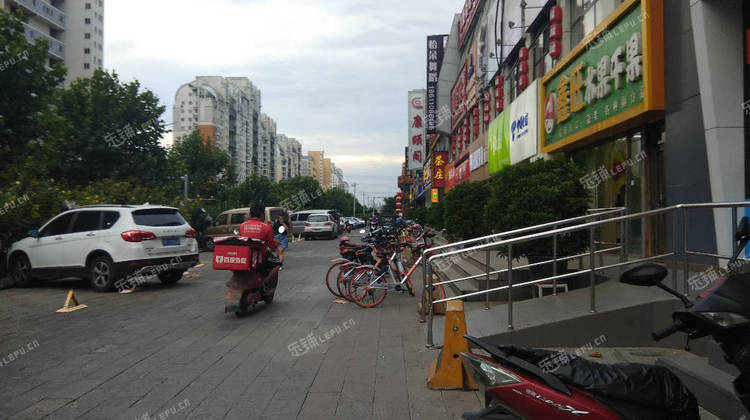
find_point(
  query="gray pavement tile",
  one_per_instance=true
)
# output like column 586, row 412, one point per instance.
column 319, row 406
column 41, row 408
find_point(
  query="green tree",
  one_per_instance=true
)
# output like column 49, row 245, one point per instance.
column 205, row 164
column 26, row 83
column 435, row 215
column 418, row 214
column 299, row 193
column 112, row 130
column 464, row 205
column 255, row 189
column 339, row 200
column 389, row 207
column 542, row 191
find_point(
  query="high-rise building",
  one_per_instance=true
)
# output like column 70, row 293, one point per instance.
column 74, row 30
column 326, row 173
column 305, row 166
column 267, row 151
column 226, row 111
column 287, row 157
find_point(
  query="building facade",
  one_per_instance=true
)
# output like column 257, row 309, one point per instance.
column 226, row 111
column 289, row 153
column 73, row 29
column 648, row 96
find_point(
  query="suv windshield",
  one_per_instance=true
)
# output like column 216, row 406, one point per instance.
column 317, row 218
column 158, row 217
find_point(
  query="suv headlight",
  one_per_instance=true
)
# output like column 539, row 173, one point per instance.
column 725, row 319
column 489, row 373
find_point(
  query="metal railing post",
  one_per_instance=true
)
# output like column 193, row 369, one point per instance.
column 423, row 309
column 592, row 263
column 487, row 295
column 429, row 318
column 684, row 251
column 674, row 250
column 554, row 263
column 734, row 230
column 623, row 241
column 510, row 286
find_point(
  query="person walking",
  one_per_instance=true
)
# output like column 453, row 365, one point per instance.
column 281, row 236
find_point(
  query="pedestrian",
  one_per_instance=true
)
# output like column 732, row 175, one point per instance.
column 281, row 236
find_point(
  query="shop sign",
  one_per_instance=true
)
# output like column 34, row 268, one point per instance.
column 458, row 99
column 435, row 45
column 438, row 168
column 435, row 195
column 416, row 135
column 467, row 16
column 477, row 158
column 523, row 124
column 458, row 174
column 609, row 78
column 513, row 136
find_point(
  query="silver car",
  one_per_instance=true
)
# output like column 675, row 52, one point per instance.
column 320, row 224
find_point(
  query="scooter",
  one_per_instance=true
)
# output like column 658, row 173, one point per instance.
column 516, row 387
column 250, row 261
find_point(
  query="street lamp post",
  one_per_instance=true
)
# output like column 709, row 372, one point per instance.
column 354, row 201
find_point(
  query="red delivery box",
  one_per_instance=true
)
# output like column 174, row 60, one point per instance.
column 237, row 253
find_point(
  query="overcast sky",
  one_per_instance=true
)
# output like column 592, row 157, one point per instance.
column 332, row 73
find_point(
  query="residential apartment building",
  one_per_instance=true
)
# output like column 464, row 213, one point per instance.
column 226, row 111
column 267, row 147
column 337, row 177
column 305, row 166
column 73, row 29
column 288, row 155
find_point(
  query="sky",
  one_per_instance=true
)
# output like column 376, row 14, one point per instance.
column 333, row 73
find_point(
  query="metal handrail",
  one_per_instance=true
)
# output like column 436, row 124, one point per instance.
column 554, row 233
column 600, row 212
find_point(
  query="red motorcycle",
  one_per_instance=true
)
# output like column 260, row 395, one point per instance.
column 515, row 385
column 250, row 261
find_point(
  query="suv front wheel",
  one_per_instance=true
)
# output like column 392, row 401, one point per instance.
column 102, row 274
column 22, row 271
column 169, row 277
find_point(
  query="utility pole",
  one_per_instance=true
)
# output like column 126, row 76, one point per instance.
column 354, row 202
column 185, row 187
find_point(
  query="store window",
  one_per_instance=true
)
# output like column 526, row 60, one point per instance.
column 619, row 168
column 586, row 14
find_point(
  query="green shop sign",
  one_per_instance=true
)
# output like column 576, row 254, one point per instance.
column 498, row 142
column 599, row 86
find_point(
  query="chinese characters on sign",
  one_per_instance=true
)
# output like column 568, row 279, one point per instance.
column 416, row 145
column 600, row 83
column 434, row 61
column 439, row 175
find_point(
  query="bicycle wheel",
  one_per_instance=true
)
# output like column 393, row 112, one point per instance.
column 331, row 277
column 342, row 282
column 361, row 290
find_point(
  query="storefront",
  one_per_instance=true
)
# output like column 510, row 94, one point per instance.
column 602, row 104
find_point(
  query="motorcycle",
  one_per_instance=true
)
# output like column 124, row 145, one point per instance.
column 516, row 387
column 200, row 222
column 250, row 261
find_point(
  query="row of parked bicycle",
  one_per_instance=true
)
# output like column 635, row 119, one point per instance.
column 366, row 272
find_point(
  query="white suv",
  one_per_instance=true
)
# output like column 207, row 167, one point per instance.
column 106, row 243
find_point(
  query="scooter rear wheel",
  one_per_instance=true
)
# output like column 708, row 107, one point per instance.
column 243, row 310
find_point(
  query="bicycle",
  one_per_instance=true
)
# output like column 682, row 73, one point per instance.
column 369, row 285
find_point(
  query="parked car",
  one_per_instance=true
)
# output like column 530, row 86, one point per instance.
column 106, row 243
column 299, row 218
column 227, row 221
column 320, row 224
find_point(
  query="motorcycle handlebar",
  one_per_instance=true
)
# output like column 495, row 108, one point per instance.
column 666, row 332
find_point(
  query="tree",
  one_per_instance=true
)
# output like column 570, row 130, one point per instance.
column 542, row 191
column 112, row 130
column 299, row 193
column 389, row 207
column 255, row 189
column 418, row 214
column 338, row 199
column 204, row 163
column 26, row 83
column 435, row 215
column 464, row 205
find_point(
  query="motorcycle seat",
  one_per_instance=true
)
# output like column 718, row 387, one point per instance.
column 624, row 387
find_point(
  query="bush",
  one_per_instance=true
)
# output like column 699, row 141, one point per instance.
column 435, row 216
column 464, row 205
column 418, row 214
column 543, row 191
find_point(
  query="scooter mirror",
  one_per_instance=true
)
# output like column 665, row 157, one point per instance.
column 644, row 275
column 743, row 229
column 236, row 231
column 282, row 229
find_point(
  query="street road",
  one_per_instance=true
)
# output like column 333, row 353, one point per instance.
column 171, row 352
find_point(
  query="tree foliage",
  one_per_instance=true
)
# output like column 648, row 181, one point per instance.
column 206, row 165
column 464, row 215
column 542, row 191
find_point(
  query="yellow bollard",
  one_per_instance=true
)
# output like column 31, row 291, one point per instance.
column 447, row 372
